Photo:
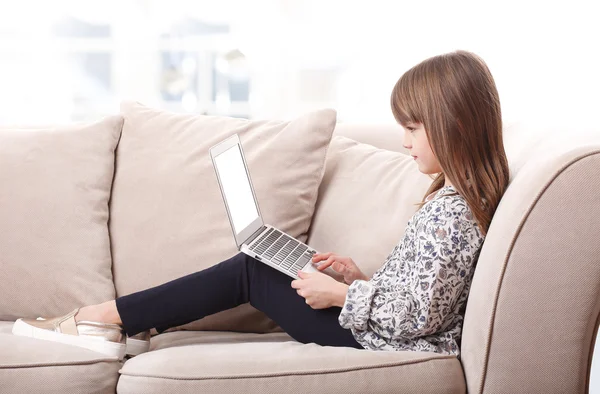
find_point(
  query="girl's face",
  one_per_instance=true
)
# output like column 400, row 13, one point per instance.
column 415, row 140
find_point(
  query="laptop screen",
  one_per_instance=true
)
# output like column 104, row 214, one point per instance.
column 236, row 188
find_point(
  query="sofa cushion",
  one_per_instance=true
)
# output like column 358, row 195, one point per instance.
column 222, row 362
column 56, row 184
column 168, row 218
column 30, row 365
column 383, row 136
column 365, row 201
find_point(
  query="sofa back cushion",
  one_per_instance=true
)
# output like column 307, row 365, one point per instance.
column 168, row 218
column 383, row 136
column 54, row 241
column 365, row 201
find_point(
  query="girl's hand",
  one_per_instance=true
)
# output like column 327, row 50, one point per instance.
column 343, row 265
column 320, row 290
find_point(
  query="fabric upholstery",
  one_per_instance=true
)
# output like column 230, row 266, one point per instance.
column 55, row 247
column 30, row 365
column 168, row 218
column 383, row 136
column 535, row 291
column 219, row 362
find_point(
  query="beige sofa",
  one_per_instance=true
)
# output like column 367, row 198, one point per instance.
column 531, row 318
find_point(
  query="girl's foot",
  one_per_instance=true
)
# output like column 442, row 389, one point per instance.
column 106, row 338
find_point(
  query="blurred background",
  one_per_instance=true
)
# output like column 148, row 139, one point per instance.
column 66, row 60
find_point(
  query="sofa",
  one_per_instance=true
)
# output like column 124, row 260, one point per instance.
column 96, row 210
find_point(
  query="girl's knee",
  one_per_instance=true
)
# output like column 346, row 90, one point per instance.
column 243, row 258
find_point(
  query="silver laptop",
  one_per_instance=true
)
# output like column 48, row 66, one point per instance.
column 252, row 236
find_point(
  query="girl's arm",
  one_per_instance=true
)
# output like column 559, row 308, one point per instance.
column 445, row 257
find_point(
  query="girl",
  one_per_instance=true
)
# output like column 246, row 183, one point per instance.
column 450, row 110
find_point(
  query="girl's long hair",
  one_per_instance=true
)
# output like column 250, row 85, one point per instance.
column 455, row 97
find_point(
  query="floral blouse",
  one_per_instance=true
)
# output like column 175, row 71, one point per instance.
column 417, row 299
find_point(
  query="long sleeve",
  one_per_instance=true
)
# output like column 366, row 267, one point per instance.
column 417, row 302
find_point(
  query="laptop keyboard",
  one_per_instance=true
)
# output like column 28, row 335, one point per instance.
column 282, row 250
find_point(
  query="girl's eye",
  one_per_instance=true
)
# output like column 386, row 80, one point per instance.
column 411, row 129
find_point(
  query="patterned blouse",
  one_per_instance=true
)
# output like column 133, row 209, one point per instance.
column 417, row 299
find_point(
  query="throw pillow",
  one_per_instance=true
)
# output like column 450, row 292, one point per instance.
column 168, row 218
column 54, row 241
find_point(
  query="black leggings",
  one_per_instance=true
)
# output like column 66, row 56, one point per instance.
column 235, row 281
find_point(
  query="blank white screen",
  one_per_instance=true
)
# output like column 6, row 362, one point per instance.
column 236, row 187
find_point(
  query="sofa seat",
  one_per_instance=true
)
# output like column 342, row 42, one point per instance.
column 26, row 364
column 228, row 362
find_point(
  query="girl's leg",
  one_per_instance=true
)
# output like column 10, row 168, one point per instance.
column 235, row 281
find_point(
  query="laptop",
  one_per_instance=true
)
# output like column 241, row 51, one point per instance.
column 252, row 236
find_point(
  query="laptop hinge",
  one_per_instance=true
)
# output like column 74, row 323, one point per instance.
column 255, row 234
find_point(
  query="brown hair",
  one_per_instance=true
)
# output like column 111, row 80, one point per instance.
column 455, row 97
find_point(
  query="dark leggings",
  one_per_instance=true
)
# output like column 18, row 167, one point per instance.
column 235, row 281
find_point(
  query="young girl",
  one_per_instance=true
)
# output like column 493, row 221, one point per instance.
column 450, row 110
